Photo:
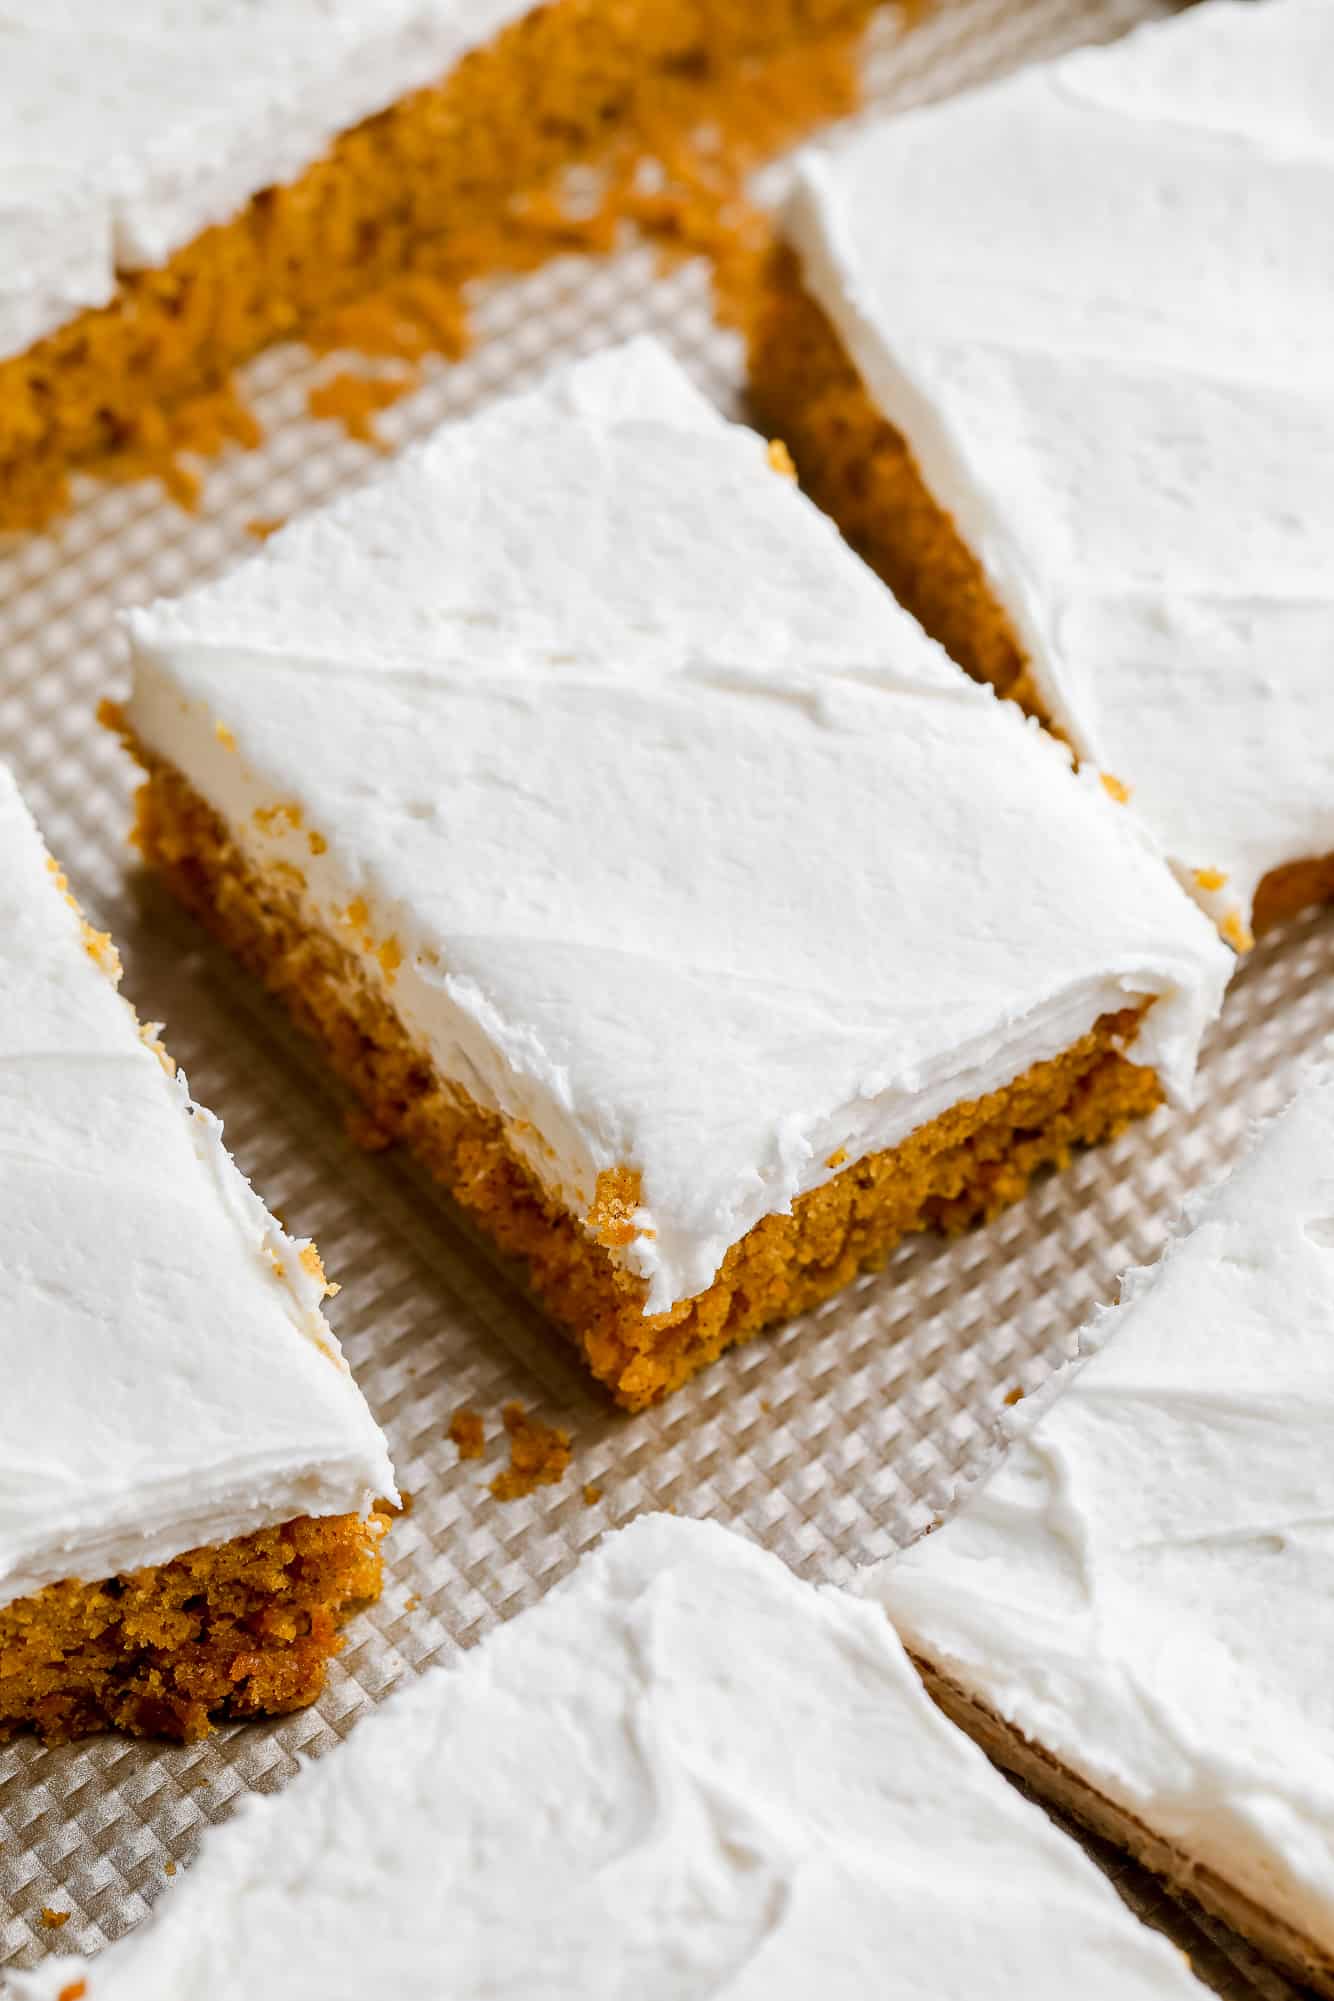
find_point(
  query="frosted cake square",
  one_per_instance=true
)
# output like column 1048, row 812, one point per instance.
column 187, row 1469
column 683, row 1774
column 1074, row 400
column 644, row 867
column 184, row 184
column 1134, row 1612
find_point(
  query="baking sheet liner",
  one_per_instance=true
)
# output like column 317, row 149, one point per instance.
column 831, row 1442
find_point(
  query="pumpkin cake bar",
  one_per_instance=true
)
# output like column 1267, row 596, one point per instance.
column 183, row 184
column 187, row 1470
column 684, row 1774
column 1074, row 400
column 644, row 866
column 1135, row 1612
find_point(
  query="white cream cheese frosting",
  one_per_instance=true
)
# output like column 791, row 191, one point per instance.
column 126, row 130
column 1110, row 346
column 1143, row 1588
column 684, row 1775
column 168, row 1376
column 696, row 855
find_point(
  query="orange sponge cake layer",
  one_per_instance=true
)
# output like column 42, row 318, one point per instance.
column 434, row 182
column 642, row 864
column 246, row 1628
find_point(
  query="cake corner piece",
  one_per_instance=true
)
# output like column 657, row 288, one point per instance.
column 1131, row 1612
column 191, row 1512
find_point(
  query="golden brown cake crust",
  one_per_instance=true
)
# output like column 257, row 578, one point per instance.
column 1307, row 1962
column 242, row 1628
column 963, row 1166
column 805, row 388
column 434, row 182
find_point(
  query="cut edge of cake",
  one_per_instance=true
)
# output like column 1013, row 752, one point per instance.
column 239, row 1626
column 1301, row 1956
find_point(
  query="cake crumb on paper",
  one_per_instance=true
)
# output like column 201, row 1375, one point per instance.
column 539, row 1455
column 467, row 1432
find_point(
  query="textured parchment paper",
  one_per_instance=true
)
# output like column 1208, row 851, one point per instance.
column 831, row 1442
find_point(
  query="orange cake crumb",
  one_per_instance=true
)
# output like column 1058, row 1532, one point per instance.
column 612, row 1215
column 74, row 1991
column 313, row 1264
column 592, row 1495
column 1115, row 788
column 539, row 1455
column 1014, row 1396
column 53, row 1920
column 355, row 400
column 287, row 814
column 961, row 1167
column 1210, row 879
column 1237, row 931
column 468, row 1433
column 369, row 247
column 261, row 526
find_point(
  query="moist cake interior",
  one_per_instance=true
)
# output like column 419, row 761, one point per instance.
column 243, row 1628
